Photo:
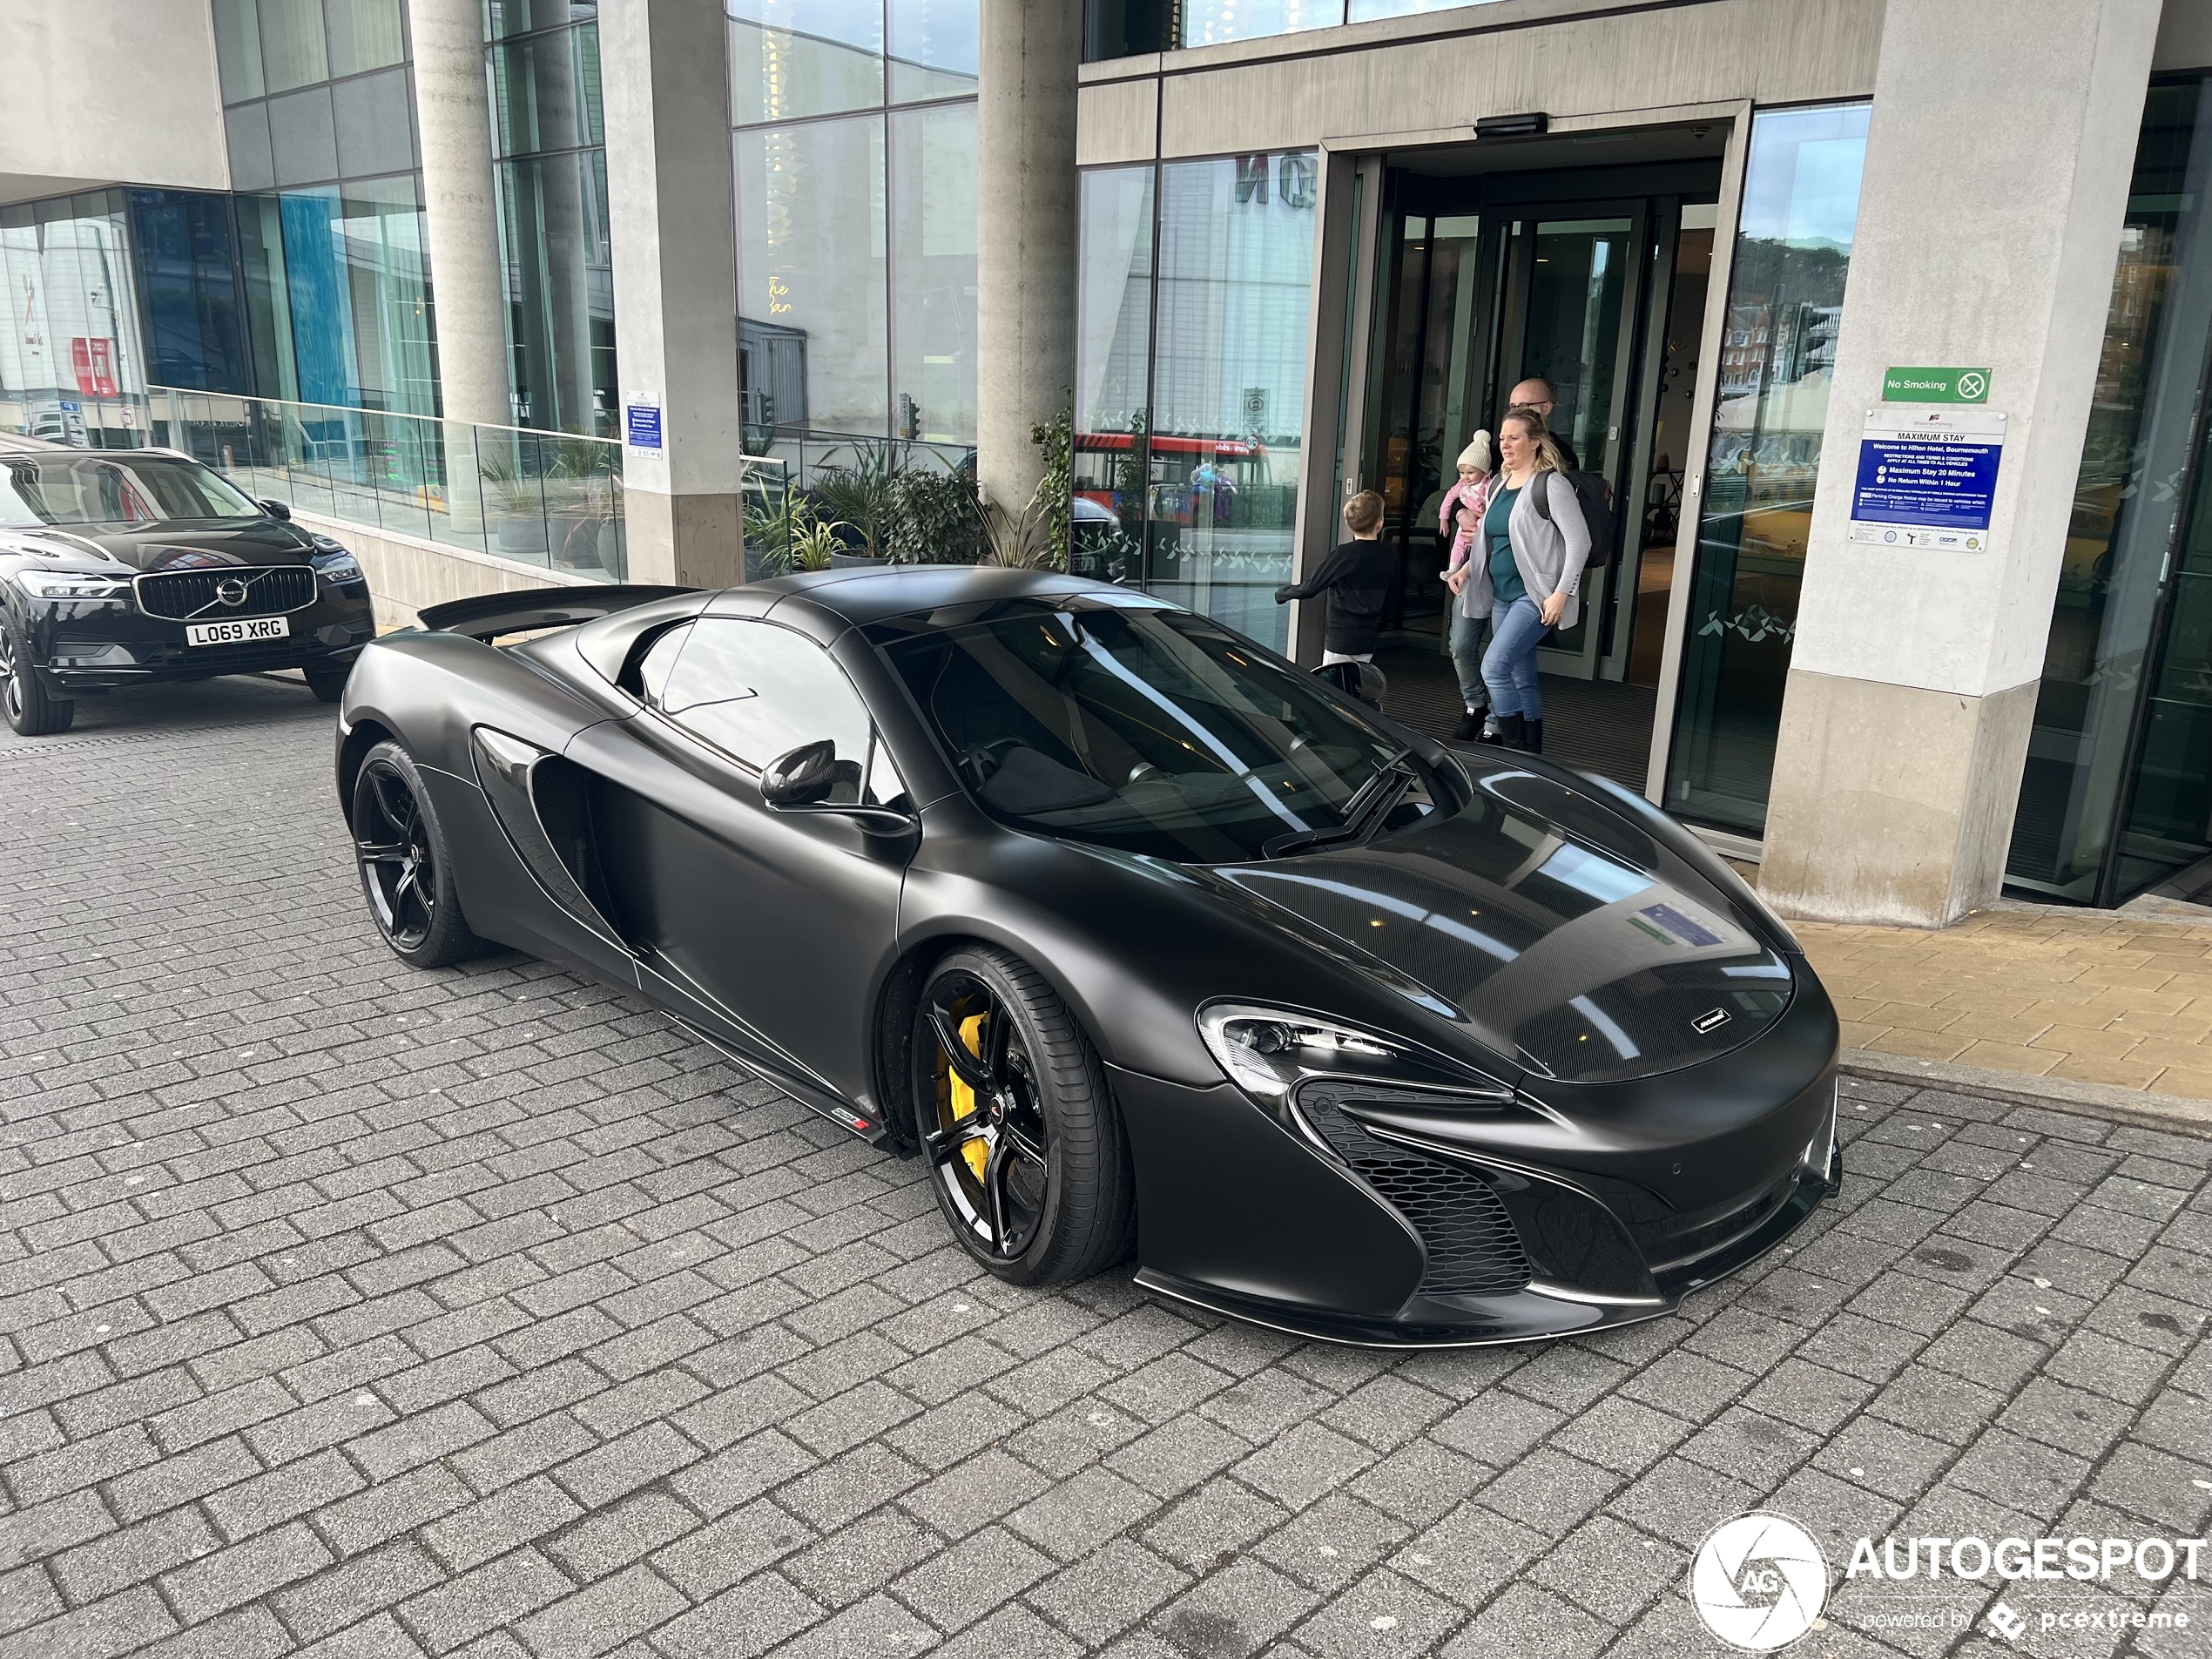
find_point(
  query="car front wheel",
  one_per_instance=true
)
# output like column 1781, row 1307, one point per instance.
column 32, row 712
column 406, row 873
column 1026, row 1149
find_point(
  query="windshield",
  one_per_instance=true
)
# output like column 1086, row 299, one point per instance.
column 1129, row 723
column 126, row 489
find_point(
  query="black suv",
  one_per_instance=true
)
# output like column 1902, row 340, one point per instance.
column 120, row 567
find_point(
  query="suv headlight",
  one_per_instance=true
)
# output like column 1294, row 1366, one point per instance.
column 1268, row 1052
column 50, row 584
column 341, row 566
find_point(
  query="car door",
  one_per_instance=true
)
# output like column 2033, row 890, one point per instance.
column 771, row 928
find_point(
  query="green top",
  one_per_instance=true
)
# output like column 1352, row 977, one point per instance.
column 1505, row 575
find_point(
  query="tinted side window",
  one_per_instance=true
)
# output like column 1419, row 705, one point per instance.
column 755, row 690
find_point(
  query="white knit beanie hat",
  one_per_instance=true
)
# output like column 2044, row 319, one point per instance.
column 1477, row 454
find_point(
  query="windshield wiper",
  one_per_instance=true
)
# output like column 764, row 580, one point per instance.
column 1370, row 804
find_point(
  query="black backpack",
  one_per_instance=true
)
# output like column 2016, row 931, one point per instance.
column 1597, row 497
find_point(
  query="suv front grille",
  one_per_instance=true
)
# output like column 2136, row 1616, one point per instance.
column 204, row 596
column 1474, row 1249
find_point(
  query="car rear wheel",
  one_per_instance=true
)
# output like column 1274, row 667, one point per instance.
column 406, row 873
column 1026, row 1154
column 32, row 712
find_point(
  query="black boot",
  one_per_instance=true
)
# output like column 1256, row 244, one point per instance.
column 1532, row 736
column 1470, row 723
column 1508, row 727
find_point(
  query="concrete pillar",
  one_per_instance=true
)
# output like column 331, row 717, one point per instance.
column 453, row 118
column 1025, row 204
column 1998, row 161
column 664, row 89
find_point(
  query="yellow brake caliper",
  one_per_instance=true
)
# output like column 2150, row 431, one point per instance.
column 963, row 1098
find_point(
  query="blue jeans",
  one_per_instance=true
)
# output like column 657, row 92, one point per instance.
column 1468, row 633
column 1509, row 668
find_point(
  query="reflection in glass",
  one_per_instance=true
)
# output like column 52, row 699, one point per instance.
column 1113, row 347
column 2127, row 499
column 521, row 17
column 72, row 351
column 547, row 88
column 933, row 49
column 933, row 250
column 1206, row 22
column 182, row 243
column 554, row 215
column 1236, row 272
column 1785, row 294
column 1362, row 10
column 811, row 247
column 378, row 233
column 238, row 50
column 291, row 44
column 790, row 58
column 364, row 35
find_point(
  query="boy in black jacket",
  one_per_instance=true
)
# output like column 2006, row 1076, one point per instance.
column 1356, row 576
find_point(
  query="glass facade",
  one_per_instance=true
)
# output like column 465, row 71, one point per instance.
column 855, row 157
column 1123, row 28
column 73, row 365
column 1785, row 296
column 1194, row 290
column 336, row 301
column 549, row 134
column 2117, row 793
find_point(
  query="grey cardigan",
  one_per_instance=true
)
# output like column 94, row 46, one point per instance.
column 1550, row 555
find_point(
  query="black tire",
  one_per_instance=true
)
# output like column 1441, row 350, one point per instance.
column 32, row 712
column 405, row 870
column 327, row 683
column 1052, row 1147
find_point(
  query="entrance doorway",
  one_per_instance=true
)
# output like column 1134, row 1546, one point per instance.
column 1499, row 264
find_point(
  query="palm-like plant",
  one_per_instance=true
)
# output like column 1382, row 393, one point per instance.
column 813, row 539
column 862, row 495
column 1026, row 540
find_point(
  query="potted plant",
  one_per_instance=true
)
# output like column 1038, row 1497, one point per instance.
column 517, row 507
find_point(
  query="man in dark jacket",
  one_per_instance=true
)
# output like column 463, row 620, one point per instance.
column 1356, row 576
column 1537, row 394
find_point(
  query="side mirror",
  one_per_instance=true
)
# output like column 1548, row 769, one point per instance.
column 1361, row 680
column 277, row 509
column 802, row 778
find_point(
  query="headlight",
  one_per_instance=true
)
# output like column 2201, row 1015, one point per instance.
column 1268, row 1052
column 338, row 567
column 47, row 584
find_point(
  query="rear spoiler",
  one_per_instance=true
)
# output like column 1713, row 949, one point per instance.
column 488, row 616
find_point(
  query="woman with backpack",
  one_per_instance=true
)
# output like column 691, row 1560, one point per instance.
column 1537, row 542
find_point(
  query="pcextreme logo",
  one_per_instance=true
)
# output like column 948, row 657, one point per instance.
column 1758, row 1582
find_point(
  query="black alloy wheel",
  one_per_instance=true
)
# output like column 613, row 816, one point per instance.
column 405, row 872
column 32, row 712
column 1026, row 1149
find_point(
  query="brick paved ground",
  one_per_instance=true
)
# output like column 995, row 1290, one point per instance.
column 369, row 1313
column 2084, row 997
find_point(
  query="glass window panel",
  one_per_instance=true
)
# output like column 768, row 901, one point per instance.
column 1364, row 11
column 1206, row 22
column 933, row 267
column 252, row 163
column 365, row 35
column 181, row 244
column 75, row 337
column 521, row 17
column 1792, row 249
column 2134, row 472
column 562, row 306
column 303, row 137
column 317, row 293
column 269, row 296
column 544, row 100
column 379, row 235
column 933, row 49
column 811, row 259
column 1125, row 28
column 291, row 43
column 758, row 691
column 1236, row 269
column 790, row 58
column 372, row 116
column 238, row 50
column 1113, row 349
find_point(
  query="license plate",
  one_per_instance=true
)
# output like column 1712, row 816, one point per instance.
column 234, row 633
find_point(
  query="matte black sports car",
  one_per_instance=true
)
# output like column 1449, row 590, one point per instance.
column 119, row 567
column 1137, row 934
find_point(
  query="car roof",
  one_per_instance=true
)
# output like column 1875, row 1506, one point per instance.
column 878, row 594
column 16, row 443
